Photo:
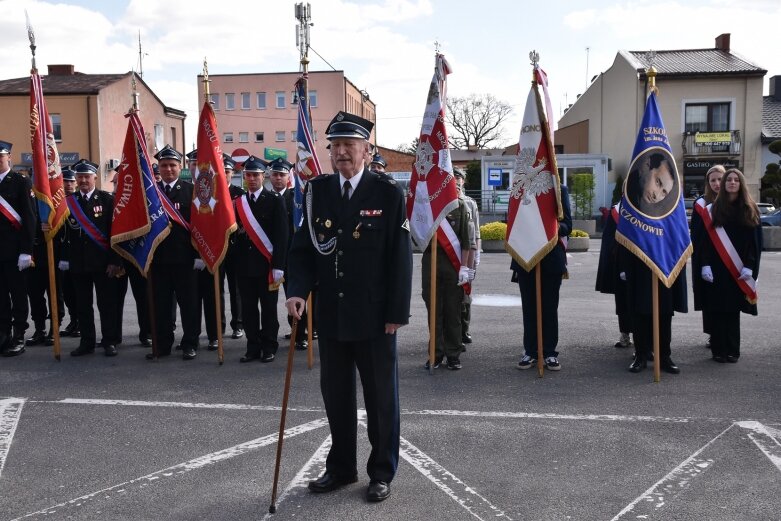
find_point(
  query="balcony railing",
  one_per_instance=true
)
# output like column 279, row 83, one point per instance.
column 699, row 144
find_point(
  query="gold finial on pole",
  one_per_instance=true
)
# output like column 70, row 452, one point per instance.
column 31, row 36
column 134, row 87
column 437, row 47
column 651, row 71
column 534, row 57
column 206, row 80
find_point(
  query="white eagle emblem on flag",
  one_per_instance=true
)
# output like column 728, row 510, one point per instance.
column 424, row 159
column 529, row 179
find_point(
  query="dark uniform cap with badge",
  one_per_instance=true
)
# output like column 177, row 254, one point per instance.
column 349, row 125
column 68, row 174
column 85, row 167
column 5, row 147
column 379, row 160
column 459, row 172
column 255, row 164
column 228, row 163
column 192, row 156
column 280, row 165
column 168, row 152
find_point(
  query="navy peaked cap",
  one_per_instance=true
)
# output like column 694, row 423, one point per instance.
column 168, row 152
column 345, row 124
column 85, row 167
column 5, row 147
column 68, row 174
column 280, row 165
column 378, row 159
column 255, row 164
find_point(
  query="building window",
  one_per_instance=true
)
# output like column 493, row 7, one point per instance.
column 214, row 99
column 243, row 137
column 259, row 137
column 707, row 117
column 314, row 135
column 294, row 98
column 173, row 137
column 56, row 127
column 261, row 100
column 294, row 136
column 281, row 100
column 159, row 138
column 312, row 98
column 245, row 101
column 280, row 135
column 227, row 137
column 230, row 101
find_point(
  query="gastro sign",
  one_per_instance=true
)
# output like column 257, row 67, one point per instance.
column 709, row 139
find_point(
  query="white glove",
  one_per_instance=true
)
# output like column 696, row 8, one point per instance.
column 24, row 262
column 477, row 258
column 199, row 265
column 707, row 274
column 463, row 275
column 277, row 274
column 746, row 274
column 472, row 274
column 64, row 265
column 622, row 275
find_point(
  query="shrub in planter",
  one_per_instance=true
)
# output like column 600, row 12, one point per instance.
column 494, row 231
column 578, row 233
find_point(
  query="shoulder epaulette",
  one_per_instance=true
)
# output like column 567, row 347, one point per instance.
column 385, row 178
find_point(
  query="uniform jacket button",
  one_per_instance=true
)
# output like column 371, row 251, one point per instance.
column 341, row 295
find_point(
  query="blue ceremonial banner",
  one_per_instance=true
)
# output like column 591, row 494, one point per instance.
column 652, row 219
column 140, row 222
column 307, row 166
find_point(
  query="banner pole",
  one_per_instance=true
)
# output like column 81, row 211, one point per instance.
column 218, row 313
column 55, row 319
column 310, row 350
column 655, row 303
column 432, row 313
column 150, row 304
column 538, row 287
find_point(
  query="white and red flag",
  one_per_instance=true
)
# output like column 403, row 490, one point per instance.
column 211, row 218
column 432, row 190
column 535, row 201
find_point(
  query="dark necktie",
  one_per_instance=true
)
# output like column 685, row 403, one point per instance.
column 252, row 197
column 167, row 190
column 346, row 192
column 85, row 197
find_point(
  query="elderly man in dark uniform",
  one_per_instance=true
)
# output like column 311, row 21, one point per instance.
column 261, row 250
column 174, row 264
column 91, row 261
column 355, row 244
column 236, row 321
column 17, row 230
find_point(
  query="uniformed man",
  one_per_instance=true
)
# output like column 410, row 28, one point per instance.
column 452, row 275
column 91, row 261
column 17, row 230
column 355, row 244
column 474, row 215
column 236, row 322
column 261, row 251
column 378, row 164
column 553, row 269
column 175, row 262
column 61, row 247
column 279, row 172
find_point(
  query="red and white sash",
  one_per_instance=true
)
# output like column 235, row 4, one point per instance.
column 448, row 240
column 728, row 255
column 614, row 212
column 8, row 211
column 255, row 232
column 700, row 208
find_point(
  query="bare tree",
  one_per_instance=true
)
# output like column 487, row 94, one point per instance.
column 410, row 148
column 476, row 120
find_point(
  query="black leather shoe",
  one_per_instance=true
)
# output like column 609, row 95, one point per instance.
column 329, row 482
column 38, row 338
column 732, row 359
column 110, row 350
column 237, row 333
column 151, row 356
column 719, row 359
column 69, row 329
column 15, row 349
column 188, row 353
column 249, row 357
column 267, row 357
column 377, row 491
column 49, row 341
column 668, row 366
column 145, row 341
column 302, row 345
column 466, row 338
column 287, row 336
column 637, row 365
column 213, row 345
column 81, row 351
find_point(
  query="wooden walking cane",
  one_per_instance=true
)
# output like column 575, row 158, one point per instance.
column 655, row 304
column 218, row 312
column 538, row 284
column 273, row 507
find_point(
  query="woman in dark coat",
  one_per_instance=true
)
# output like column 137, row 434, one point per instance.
column 730, row 282
column 698, row 234
column 608, row 280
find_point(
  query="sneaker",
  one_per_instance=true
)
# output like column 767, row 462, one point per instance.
column 552, row 363
column 526, row 362
column 624, row 341
column 454, row 364
column 437, row 363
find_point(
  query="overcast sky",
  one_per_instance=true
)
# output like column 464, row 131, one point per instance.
column 384, row 46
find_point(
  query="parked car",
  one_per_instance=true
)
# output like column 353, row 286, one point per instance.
column 771, row 219
column 766, row 208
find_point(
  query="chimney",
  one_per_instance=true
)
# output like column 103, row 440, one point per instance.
column 61, row 70
column 775, row 87
column 722, row 42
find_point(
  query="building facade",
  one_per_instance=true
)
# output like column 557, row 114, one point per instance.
column 258, row 113
column 88, row 117
column 711, row 104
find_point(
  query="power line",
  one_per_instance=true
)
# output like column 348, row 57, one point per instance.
column 326, row 61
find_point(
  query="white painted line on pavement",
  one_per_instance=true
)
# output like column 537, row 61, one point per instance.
column 10, row 412
column 552, row 416
column 503, row 301
column 310, row 471
column 182, row 468
column 142, row 403
column 766, row 438
column 672, row 484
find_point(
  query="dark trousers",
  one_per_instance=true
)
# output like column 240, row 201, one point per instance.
column 706, row 322
column 643, row 335
column 377, row 365
column 236, row 321
column 301, row 331
column 551, row 286
column 261, row 328
column 13, row 299
column 39, row 295
column 206, row 303
column 105, row 290
column 725, row 333
column 171, row 284
column 466, row 315
column 69, row 294
column 625, row 322
column 138, row 287
column 447, row 330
